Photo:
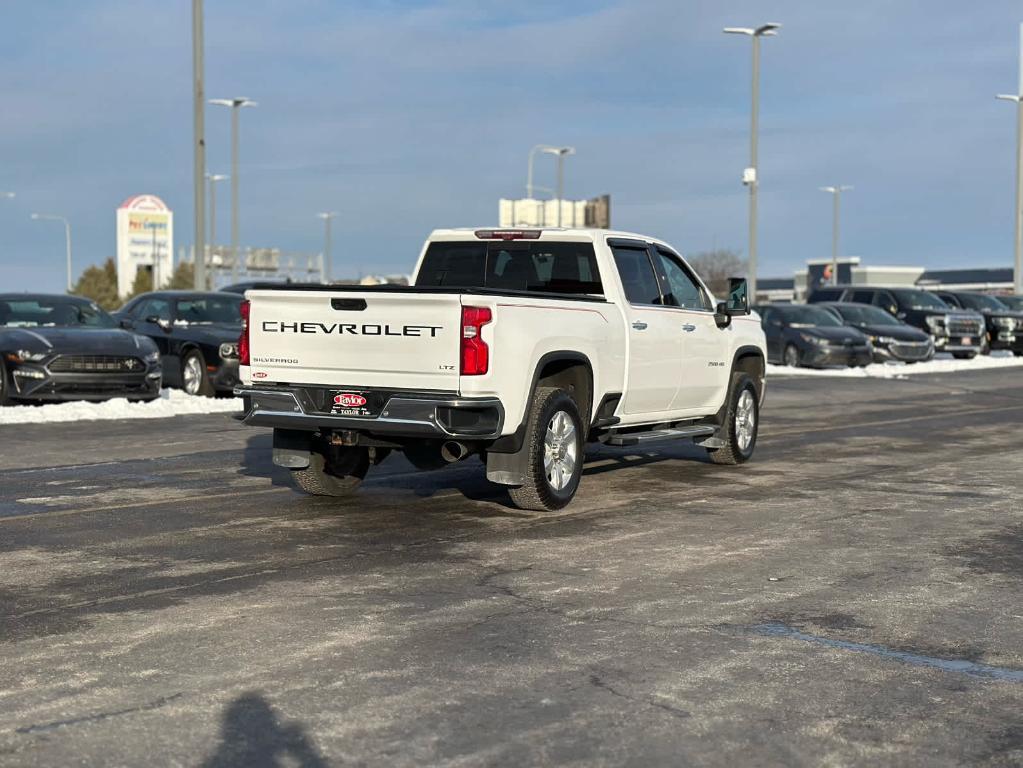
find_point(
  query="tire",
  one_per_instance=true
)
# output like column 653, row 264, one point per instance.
column 1018, row 352
column 194, row 379
column 964, row 355
column 339, row 477
column 4, row 386
column 985, row 345
column 742, row 418
column 791, row 356
column 554, row 439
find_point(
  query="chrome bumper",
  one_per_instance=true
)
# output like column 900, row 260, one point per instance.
column 405, row 414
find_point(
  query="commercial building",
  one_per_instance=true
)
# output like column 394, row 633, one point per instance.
column 529, row 212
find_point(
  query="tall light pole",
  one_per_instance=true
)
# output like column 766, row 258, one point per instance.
column 1017, row 275
column 7, row 195
column 327, row 217
column 198, row 148
column 236, row 105
column 560, row 152
column 750, row 177
column 529, row 171
column 836, row 191
column 213, row 178
column 67, row 239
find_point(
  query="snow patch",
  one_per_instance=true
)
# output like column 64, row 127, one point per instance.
column 943, row 363
column 172, row 402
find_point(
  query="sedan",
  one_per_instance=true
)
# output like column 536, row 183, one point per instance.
column 58, row 348
column 804, row 335
column 891, row 338
column 196, row 332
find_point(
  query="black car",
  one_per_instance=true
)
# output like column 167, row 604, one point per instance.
column 891, row 338
column 1004, row 324
column 953, row 330
column 55, row 348
column 801, row 335
column 197, row 335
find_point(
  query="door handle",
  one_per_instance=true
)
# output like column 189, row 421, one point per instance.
column 639, row 325
column 688, row 328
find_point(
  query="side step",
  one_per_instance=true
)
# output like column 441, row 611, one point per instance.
column 678, row 433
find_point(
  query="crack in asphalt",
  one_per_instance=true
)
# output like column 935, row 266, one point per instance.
column 156, row 704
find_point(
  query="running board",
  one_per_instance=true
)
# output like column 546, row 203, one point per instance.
column 678, row 433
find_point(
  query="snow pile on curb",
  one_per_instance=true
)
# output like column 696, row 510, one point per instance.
column 172, row 402
column 941, row 364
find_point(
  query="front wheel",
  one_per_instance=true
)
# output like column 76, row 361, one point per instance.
column 554, row 442
column 964, row 355
column 193, row 375
column 4, row 386
column 742, row 422
column 791, row 358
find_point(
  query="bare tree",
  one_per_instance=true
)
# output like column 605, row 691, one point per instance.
column 715, row 267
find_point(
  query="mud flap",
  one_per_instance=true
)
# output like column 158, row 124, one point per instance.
column 507, row 468
column 291, row 448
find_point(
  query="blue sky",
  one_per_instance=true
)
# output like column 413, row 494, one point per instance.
column 405, row 116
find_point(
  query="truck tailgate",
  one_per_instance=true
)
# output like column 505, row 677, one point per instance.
column 399, row 339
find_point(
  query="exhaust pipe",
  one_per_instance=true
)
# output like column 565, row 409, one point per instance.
column 452, row 451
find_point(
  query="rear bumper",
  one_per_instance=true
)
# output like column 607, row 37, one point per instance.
column 404, row 414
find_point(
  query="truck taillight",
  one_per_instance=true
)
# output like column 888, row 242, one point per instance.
column 243, row 342
column 475, row 352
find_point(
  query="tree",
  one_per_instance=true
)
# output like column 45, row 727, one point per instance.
column 100, row 285
column 715, row 267
column 143, row 283
column 183, row 278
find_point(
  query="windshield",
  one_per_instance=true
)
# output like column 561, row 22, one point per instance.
column 53, row 313
column 210, row 309
column 866, row 315
column 1012, row 302
column 980, row 301
column 806, row 317
column 920, row 300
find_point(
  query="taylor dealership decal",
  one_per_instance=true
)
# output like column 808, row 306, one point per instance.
column 349, row 404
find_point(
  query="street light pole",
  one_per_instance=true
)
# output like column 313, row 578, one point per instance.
column 836, row 191
column 529, row 169
column 750, row 179
column 67, row 239
column 198, row 147
column 1017, row 274
column 213, row 178
column 236, row 104
column 327, row 217
column 560, row 152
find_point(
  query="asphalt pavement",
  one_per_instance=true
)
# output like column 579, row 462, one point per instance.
column 853, row 596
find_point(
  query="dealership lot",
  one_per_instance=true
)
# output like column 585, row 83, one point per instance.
column 852, row 596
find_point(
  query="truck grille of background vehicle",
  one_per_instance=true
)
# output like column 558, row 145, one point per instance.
column 96, row 364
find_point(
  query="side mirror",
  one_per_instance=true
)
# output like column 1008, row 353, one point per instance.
column 722, row 316
column 126, row 323
column 164, row 324
column 738, row 296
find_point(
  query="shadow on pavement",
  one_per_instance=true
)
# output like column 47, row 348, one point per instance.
column 253, row 736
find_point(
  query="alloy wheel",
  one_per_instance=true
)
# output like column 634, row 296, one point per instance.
column 560, row 451
column 745, row 420
column 193, row 375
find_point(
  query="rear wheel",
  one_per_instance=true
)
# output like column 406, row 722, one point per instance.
column 791, row 357
column 193, row 375
column 742, row 422
column 338, row 473
column 554, row 442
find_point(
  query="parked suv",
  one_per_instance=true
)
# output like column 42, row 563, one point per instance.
column 954, row 330
column 891, row 338
column 798, row 335
column 1004, row 324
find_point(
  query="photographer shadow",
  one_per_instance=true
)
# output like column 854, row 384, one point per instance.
column 253, row 736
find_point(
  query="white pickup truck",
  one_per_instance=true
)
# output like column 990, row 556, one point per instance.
column 519, row 346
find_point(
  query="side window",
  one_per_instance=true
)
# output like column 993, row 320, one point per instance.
column 685, row 292
column 886, row 301
column 159, row 308
column 862, row 297
column 637, row 275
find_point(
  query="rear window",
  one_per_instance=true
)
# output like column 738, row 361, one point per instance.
column 538, row 267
